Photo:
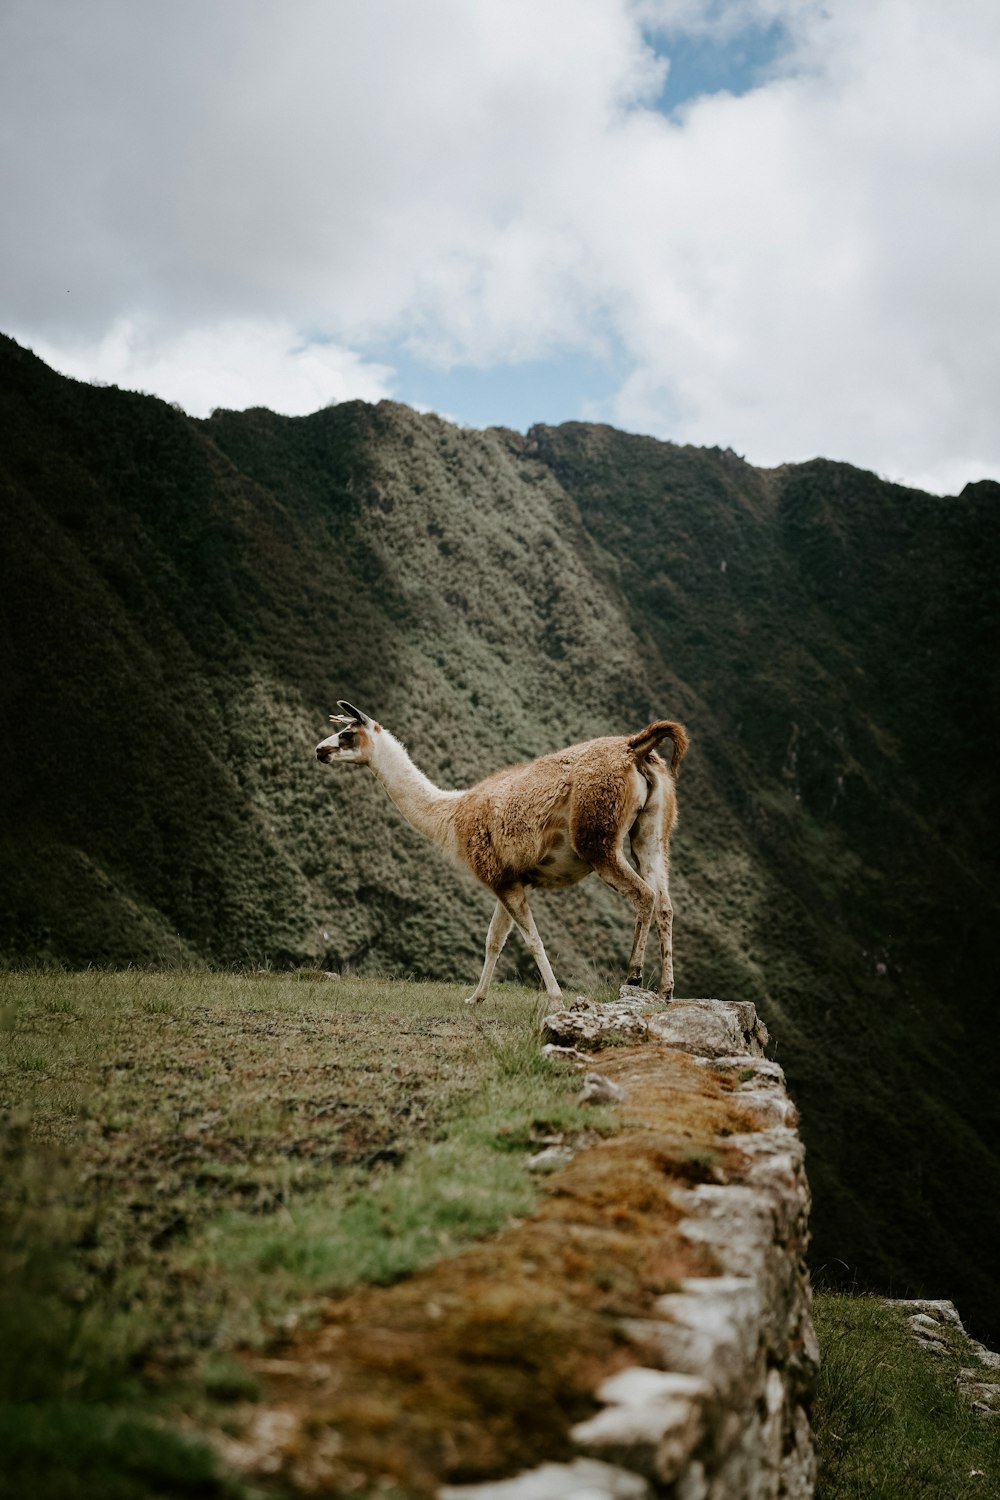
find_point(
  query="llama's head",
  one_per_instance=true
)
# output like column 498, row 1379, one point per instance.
column 351, row 743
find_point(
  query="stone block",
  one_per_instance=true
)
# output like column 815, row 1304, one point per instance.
column 600, row 1090
column 710, row 1329
column 652, row 1421
column 584, row 1479
column 595, row 1027
column 710, row 1028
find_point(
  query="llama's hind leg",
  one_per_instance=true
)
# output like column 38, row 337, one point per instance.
column 515, row 899
column 664, row 913
column 499, row 930
column 649, row 846
column 656, row 874
column 616, row 872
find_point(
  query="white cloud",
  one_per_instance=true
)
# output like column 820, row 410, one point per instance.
column 198, row 192
column 233, row 365
column 834, row 235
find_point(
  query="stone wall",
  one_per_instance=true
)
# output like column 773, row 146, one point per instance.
column 937, row 1327
column 721, row 1409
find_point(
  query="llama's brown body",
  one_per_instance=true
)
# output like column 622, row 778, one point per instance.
column 548, row 822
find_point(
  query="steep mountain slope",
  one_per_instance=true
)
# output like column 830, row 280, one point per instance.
column 183, row 602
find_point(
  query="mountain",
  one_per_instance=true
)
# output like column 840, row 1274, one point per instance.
column 183, row 602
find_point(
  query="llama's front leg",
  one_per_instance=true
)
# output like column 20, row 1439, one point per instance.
column 500, row 926
column 515, row 899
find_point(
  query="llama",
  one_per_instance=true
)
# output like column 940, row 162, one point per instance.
column 548, row 822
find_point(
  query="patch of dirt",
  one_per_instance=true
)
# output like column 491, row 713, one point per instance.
column 477, row 1366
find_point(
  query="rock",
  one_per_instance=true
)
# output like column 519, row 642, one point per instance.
column 634, row 996
column 710, row 1028
column 937, row 1310
column 984, row 1395
column 600, row 1090
column 550, row 1159
column 928, row 1319
column 652, row 1421
column 584, row 1479
column 760, row 1084
column 758, row 1074
column 736, row 1223
column 595, row 1027
column 270, row 1439
column 565, row 1054
column 707, row 1028
column 710, row 1328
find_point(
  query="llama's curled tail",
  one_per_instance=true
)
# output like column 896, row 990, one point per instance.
column 647, row 739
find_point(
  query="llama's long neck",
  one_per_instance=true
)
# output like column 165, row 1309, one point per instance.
column 422, row 804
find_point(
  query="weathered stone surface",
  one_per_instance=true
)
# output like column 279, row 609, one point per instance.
column 271, row 1436
column 982, row 1395
column 710, row 1028
column 934, row 1309
column 748, row 1073
column 549, row 1159
column 595, row 1027
column 765, row 1110
column 929, row 1319
column 584, row 1479
column 652, row 1422
column 600, row 1090
column 760, row 1084
column 707, row 1028
column 735, row 1222
column 711, row 1329
column 566, row 1054
column 639, row 999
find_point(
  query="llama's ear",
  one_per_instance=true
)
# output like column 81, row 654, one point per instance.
column 354, row 714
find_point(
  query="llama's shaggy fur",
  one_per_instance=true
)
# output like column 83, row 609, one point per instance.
column 548, row 822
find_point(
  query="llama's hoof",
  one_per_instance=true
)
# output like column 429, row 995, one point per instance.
column 474, row 999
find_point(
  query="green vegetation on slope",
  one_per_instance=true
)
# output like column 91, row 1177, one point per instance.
column 184, row 602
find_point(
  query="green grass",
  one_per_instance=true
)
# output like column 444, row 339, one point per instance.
column 192, row 1161
column 75, row 1451
column 889, row 1421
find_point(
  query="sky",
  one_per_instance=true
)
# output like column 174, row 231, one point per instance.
column 765, row 225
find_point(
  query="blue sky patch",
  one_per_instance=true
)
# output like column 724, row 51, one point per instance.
column 702, row 65
column 568, row 387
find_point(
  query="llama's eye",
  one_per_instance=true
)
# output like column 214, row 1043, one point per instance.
column 348, row 739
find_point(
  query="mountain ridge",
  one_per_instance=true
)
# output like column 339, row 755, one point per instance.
column 184, row 601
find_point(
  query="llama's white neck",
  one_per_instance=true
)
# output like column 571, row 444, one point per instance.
column 422, row 804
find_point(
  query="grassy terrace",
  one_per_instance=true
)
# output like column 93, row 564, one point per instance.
column 215, row 1188
column 189, row 1160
